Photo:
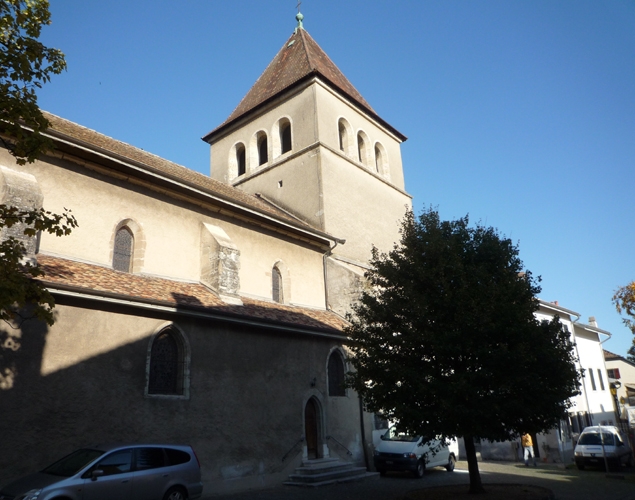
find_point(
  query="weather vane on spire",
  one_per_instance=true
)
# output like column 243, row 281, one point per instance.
column 299, row 16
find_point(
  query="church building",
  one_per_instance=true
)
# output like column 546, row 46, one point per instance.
column 207, row 310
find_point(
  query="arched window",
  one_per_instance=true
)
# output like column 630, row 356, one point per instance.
column 381, row 160
column 343, row 136
column 123, row 250
column 241, row 163
column 336, row 374
column 263, row 149
column 378, row 160
column 276, row 285
column 346, row 136
column 362, row 148
column 285, row 136
column 166, row 372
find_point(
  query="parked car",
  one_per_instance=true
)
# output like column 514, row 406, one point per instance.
column 400, row 452
column 109, row 472
column 596, row 442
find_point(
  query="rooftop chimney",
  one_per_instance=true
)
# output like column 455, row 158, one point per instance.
column 592, row 321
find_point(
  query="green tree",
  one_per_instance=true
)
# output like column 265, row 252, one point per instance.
column 446, row 343
column 19, row 288
column 624, row 301
column 25, row 64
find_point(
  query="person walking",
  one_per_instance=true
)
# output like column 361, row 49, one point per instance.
column 528, row 447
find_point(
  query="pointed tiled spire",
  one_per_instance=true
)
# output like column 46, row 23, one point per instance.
column 300, row 57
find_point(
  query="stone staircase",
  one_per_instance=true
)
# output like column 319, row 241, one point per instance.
column 323, row 471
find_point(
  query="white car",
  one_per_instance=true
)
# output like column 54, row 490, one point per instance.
column 597, row 442
column 400, row 452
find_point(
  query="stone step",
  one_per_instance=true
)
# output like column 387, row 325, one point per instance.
column 358, row 477
column 329, row 474
column 308, row 468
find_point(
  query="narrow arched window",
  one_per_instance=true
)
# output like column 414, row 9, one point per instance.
column 263, row 154
column 379, row 162
column 240, row 159
column 167, row 360
column 285, row 137
column 361, row 149
column 122, row 254
column 343, row 137
column 276, row 285
column 336, row 374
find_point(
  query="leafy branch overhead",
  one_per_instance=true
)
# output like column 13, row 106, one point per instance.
column 624, row 301
column 18, row 288
column 446, row 343
column 25, row 64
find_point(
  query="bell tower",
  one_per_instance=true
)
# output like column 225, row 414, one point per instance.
column 305, row 140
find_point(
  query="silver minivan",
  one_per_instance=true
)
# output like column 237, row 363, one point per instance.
column 108, row 472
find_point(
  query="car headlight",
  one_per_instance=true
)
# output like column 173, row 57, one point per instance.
column 579, row 454
column 30, row 495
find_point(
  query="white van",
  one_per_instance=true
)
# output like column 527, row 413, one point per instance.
column 400, row 452
column 596, row 442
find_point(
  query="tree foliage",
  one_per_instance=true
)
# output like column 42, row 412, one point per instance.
column 446, row 343
column 18, row 285
column 25, row 64
column 624, row 301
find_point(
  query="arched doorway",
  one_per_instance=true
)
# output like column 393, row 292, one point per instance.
column 312, row 424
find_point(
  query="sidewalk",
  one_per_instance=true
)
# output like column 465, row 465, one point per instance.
column 566, row 484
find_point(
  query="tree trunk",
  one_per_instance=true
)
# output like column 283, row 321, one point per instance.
column 472, row 464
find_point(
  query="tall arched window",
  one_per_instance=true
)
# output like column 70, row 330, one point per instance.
column 166, row 373
column 343, row 138
column 241, row 162
column 378, row 160
column 336, row 374
column 345, row 135
column 381, row 160
column 123, row 250
column 285, row 136
column 276, row 285
column 263, row 149
column 362, row 148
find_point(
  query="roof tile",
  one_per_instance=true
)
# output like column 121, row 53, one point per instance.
column 95, row 280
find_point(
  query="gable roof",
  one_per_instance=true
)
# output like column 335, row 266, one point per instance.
column 299, row 58
column 73, row 137
column 609, row 356
column 98, row 282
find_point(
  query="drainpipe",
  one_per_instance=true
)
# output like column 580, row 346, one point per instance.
column 324, row 257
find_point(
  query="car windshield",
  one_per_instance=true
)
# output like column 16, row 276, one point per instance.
column 393, row 434
column 73, row 463
column 594, row 438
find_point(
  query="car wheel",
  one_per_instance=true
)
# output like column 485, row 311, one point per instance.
column 451, row 464
column 421, row 469
column 580, row 466
column 629, row 460
column 175, row 493
column 382, row 472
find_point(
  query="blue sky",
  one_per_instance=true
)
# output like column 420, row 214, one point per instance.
column 518, row 113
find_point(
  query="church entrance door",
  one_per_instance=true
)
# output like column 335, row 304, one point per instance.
column 311, row 428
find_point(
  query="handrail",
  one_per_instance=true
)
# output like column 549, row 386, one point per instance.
column 301, row 440
column 348, row 452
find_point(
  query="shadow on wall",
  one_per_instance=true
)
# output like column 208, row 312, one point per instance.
column 245, row 396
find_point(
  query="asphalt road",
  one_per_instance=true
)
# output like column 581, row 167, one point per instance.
column 566, row 484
